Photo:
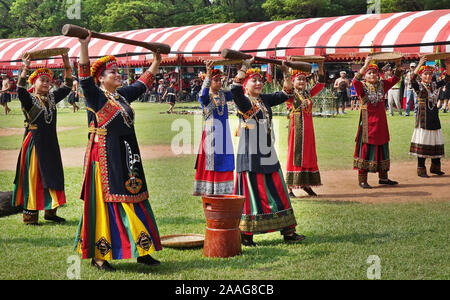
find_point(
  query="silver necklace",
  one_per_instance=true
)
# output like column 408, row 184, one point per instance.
column 218, row 101
column 40, row 102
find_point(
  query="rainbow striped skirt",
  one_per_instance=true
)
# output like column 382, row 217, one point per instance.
column 267, row 206
column 110, row 230
column 28, row 189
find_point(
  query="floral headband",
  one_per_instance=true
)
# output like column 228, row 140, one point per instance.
column 38, row 73
column 296, row 73
column 424, row 69
column 371, row 67
column 253, row 72
column 104, row 63
column 216, row 73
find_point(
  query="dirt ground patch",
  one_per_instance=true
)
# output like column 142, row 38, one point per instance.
column 21, row 131
column 342, row 185
column 338, row 185
column 74, row 156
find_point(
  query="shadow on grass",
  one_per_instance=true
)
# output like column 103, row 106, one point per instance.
column 179, row 221
column 67, row 223
column 250, row 258
column 365, row 238
column 43, row 241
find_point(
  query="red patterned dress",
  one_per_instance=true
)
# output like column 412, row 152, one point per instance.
column 302, row 169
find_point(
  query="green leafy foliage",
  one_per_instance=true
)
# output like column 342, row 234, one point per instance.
column 46, row 17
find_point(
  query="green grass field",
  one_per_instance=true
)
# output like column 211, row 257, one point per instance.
column 411, row 239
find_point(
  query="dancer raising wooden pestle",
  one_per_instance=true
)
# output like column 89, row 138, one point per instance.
column 39, row 181
column 372, row 140
column 117, row 220
column 427, row 140
column 302, row 170
column 215, row 160
column 267, row 206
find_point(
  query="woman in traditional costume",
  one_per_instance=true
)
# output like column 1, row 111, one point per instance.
column 267, row 206
column 117, row 220
column 215, row 160
column 39, row 181
column 427, row 140
column 372, row 140
column 302, row 170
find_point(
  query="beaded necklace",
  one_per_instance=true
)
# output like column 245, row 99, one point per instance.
column 433, row 94
column 40, row 101
column 266, row 117
column 113, row 97
column 216, row 98
column 302, row 99
column 374, row 92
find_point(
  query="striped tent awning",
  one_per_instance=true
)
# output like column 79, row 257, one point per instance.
column 337, row 38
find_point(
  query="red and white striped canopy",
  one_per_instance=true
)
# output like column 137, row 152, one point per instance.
column 345, row 37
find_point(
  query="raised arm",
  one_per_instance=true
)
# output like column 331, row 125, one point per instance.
column 358, row 77
column 287, row 92
column 413, row 75
column 66, row 88
column 244, row 105
column 389, row 83
column 321, row 82
column 90, row 91
column 144, row 83
column 22, row 93
column 204, row 92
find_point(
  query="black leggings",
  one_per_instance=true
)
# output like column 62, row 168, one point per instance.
column 421, row 162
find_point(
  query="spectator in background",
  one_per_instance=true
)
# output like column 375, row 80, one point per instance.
column 410, row 93
column 196, row 89
column 340, row 85
column 171, row 95
column 393, row 93
column 354, row 104
column 160, row 90
column 5, row 95
column 444, row 94
column 74, row 96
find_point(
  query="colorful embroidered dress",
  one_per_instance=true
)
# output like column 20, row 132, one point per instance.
column 117, row 220
column 215, row 160
column 427, row 140
column 372, row 140
column 302, row 169
column 39, row 180
column 259, row 178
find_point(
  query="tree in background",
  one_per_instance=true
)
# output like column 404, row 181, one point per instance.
column 5, row 24
column 413, row 5
column 299, row 9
